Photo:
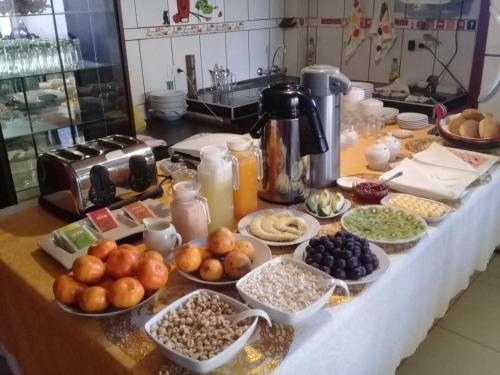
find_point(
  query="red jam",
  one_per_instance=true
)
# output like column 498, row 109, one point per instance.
column 370, row 192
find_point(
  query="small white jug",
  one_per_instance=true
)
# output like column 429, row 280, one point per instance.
column 161, row 235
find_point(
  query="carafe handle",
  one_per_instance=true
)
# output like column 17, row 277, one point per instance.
column 204, row 205
column 260, row 168
column 256, row 129
column 236, row 173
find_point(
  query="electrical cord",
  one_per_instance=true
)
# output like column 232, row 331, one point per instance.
column 445, row 68
column 422, row 45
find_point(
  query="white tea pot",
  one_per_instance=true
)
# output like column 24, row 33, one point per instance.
column 377, row 156
column 392, row 144
column 161, row 235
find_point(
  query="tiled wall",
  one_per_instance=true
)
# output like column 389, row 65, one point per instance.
column 247, row 34
column 415, row 65
column 154, row 60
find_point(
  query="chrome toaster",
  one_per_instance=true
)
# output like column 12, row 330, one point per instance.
column 106, row 172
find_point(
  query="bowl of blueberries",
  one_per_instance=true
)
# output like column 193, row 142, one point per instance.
column 344, row 256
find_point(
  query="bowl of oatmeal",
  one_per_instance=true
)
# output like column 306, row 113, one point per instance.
column 290, row 291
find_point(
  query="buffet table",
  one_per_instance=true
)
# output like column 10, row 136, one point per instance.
column 370, row 333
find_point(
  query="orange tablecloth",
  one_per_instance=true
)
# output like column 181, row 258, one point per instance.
column 44, row 339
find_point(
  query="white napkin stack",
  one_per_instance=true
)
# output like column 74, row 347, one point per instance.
column 439, row 173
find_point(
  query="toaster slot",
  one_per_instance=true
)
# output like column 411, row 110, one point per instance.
column 111, row 144
column 125, row 139
column 70, row 154
column 88, row 150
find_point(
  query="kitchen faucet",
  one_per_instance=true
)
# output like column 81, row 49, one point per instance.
column 274, row 68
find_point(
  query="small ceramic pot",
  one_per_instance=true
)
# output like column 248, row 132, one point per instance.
column 161, row 235
column 378, row 156
column 392, row 144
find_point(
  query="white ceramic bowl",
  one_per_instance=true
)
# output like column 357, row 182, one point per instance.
column 280, row 315
column 371, row 107
column 218, row 360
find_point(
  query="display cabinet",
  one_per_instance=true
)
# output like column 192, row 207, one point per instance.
column 62, row 81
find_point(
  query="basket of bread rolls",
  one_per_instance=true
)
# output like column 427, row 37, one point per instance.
column 471, row 128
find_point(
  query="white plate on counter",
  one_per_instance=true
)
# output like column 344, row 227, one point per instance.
column 348, row 182
column 386, row 201
column 313, row 226
column 346, row 207
column 262, row 255
column 126, row 228
column 383, row 258
column 111, row 311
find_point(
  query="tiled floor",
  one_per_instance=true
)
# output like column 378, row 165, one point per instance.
column 466, row 341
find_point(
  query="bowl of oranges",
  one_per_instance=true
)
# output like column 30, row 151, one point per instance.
column 222, row 258
column 110, row 280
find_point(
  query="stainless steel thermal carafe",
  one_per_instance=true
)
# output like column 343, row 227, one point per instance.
column 325, row 84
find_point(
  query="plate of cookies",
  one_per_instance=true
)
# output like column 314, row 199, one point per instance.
column 471, row 128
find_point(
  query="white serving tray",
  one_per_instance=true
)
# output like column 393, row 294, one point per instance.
column 126, row 227
column 386, row 201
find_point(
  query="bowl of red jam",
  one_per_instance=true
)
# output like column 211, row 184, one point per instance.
column 370, row 192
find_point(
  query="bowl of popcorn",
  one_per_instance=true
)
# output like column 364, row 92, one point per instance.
column 289, row 290
column 194, row 333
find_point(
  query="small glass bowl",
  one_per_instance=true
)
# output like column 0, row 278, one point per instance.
column 369, row 191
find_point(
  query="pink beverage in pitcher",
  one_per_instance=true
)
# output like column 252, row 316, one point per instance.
column 189, row 211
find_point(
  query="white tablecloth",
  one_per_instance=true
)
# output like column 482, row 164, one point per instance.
column 386, row 322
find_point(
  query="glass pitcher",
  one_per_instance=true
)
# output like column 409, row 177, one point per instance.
column 189, row 210
column 218, row 176
column 250, row 172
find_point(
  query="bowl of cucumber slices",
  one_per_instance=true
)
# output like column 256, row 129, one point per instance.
column 326, row 204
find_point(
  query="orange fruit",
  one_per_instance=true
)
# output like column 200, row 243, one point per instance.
column 245, row 247
column 102, row 249
column 211, row 270
column 152, row 274
column 106, row 282
column 221, row 241
column 88, row 269
column 121, row 263
column 126, row 246
column 125, row 292
column 237, row 264
column 188, row 258
column 205, row 253
column 66, row 289
column 152, row 254
column 93, row 300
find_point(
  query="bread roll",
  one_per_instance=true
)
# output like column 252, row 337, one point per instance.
column 488, row 128
column 469, row 128
column 472, row 114
column 454, row 125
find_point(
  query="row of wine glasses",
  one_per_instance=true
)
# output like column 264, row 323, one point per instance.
column 19, row 57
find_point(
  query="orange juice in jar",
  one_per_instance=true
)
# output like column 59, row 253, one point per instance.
column 250, row 172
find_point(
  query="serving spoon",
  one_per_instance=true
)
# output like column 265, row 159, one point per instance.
column 236, row 318
column 399, row 174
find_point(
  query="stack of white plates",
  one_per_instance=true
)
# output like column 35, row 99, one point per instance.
column 390, row 115
column 412, row 121
column 169, row 105
column 367, row 87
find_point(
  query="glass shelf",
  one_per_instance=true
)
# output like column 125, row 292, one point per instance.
column 85, row 66
column 67, row 13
